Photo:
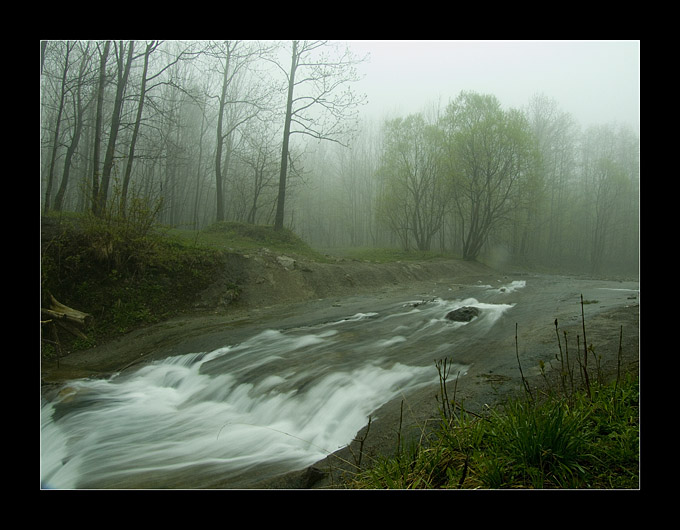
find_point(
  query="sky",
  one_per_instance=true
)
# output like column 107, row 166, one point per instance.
column 597, row 82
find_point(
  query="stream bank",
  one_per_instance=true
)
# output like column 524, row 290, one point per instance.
column 280, row 289
column 267, row 283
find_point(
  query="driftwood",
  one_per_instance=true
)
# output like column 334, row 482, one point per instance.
column 70, row 319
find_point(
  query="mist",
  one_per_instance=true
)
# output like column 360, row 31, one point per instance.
column 512, row 153
column 596, row 82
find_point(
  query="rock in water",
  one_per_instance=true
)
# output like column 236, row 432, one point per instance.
column 463, row 314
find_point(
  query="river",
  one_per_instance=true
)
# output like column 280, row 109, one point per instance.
column 284, row 392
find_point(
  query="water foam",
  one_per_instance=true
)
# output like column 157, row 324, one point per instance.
column 280, row 400
column 169, row 416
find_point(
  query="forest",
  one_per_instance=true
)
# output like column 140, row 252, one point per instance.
column 272, row 133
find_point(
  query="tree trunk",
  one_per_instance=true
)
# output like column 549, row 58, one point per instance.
column 278, row 222
column 220, row 145
column 78, row 128
column 123, row 72
column 135, row 131
column 55, row 145
column 98, row 128
column 199, row 172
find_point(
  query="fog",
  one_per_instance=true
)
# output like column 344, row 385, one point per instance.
column 595, row 81
column 514, row 153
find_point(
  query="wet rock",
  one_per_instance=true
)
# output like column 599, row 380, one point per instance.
column 420, row 302
column 463, row 314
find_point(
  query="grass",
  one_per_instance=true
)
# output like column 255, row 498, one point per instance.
column 123, row 273
column 128, row 271
column 566, row 436
column 244, row 238
column 388, row 255
column 589, row 443
column 240, row 237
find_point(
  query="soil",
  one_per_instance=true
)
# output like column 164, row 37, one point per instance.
column 272, row 284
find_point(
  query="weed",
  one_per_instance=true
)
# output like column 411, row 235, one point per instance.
column 564, row 437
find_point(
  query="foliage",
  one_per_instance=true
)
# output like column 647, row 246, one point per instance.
column 475, row 162
column 579, row 198
column 491, row 153
column 124, row 272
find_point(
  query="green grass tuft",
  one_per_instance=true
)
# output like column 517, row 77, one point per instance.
column 526, row 444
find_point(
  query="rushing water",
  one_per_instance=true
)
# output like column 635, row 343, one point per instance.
column 278, row 401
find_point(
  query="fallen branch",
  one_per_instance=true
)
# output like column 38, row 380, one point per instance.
column 70, row 319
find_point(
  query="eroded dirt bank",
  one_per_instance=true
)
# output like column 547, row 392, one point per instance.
column 267, row 283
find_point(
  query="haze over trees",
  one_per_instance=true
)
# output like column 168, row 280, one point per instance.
column 272, row 133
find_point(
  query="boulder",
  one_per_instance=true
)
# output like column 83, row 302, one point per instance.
column 286, row 262
column 463, row 314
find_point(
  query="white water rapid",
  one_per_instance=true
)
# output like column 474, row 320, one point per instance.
column 278, row 401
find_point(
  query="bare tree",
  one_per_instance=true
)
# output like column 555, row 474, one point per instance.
column 78, row 111
column 415, row 192
column 123, row 71
column 60, row 109
column 259, row 161
column 147, row 83
column 103, row 58
column 236, row 106
column 314, row 104
column 555, row 138
column 150, row 47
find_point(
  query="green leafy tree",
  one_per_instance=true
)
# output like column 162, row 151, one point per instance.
column 489, row 152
